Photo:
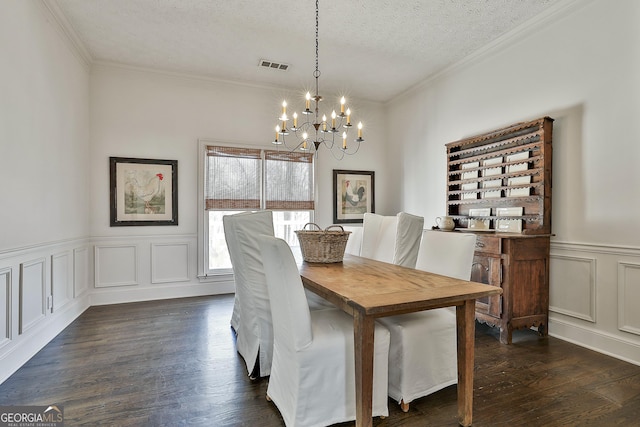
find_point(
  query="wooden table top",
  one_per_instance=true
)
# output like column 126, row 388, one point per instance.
column 381, row 289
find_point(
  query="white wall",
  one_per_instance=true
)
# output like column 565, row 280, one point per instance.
column 44, row 133
column 44, row 190
column 139, row 113
column 145, row 114
column 579, row 65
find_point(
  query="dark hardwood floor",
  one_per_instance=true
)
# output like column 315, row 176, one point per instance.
column 173, row 363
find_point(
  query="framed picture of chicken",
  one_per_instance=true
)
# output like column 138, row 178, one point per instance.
column 353, row 195
column 143, row 191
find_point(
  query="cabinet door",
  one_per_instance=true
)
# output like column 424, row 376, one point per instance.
column 486, row 269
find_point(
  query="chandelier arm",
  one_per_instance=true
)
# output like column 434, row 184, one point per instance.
column 338, row 156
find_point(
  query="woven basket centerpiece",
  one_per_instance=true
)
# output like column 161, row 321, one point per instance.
column 320, row 245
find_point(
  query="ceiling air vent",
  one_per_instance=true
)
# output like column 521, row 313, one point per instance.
column 273, row 65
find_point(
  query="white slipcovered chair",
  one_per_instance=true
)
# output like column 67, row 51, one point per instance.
column 448, row 254
column 313, row 373
column 252, row 312
column 254, row 331
column 392, row 239
column 423, row 358
column 354, row 243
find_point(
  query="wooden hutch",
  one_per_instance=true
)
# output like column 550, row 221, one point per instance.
column 499, row 187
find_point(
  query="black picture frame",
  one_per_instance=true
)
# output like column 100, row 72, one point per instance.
column 353, row 195
column 143, row 192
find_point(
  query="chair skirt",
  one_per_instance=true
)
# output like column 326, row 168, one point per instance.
column 315, row 386
column 422, row 355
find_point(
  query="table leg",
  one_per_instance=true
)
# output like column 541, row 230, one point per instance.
column 363, row 331
column 465, row 324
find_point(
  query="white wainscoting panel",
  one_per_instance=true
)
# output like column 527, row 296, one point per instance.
column 170, row 262
column 116, row 265
column 33, row 293
column 5, row 306
column 608, row 275
column 629, row 297
column 574, row 286
column 80, row 271
column 61, row 283
column 29, row 276
column 166, row 267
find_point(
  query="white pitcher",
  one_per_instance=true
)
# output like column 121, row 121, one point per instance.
column 445, row 223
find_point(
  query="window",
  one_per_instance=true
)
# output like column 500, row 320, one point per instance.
column 248, row 179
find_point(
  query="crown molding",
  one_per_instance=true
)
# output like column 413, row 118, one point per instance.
column 68, row 33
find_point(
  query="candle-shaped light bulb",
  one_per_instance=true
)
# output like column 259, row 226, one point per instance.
column 308, row 100
column 348, row 116
column 342, row 102
column 360, row 130
column 344, row 140
column 277, row 132
column 284, row 108
column 295, row 120
column 304, row 144
column 324, row 122
column 305, row 136
column 333, row 119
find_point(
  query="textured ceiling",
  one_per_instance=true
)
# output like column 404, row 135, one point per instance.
column 372, row 49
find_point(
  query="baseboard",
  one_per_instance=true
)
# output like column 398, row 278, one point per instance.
column 598, row 341
column 121, row 295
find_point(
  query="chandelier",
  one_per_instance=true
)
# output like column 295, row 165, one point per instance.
column 310, row 131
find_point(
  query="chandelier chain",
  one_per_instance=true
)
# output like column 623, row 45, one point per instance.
column 316, row 74
column 317, row 23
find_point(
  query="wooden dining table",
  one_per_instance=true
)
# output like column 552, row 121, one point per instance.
column 368, row 289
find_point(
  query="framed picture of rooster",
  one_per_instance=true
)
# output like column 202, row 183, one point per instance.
column 143, row 191
column 353, row 195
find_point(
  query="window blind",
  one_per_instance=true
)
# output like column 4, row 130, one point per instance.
column 233, row 178
column 288, row 180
